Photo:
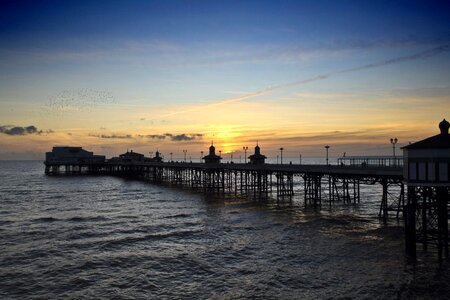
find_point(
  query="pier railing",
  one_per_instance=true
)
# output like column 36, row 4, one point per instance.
column 371, row 161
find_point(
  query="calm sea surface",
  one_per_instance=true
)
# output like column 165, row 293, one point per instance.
column 91, row 237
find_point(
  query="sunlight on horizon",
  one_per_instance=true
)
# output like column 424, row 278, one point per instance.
column 235, row 81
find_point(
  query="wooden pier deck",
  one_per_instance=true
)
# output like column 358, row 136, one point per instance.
column 318, row 182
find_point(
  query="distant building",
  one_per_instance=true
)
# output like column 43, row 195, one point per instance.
column 212, row 158
column 131, row 156
column 157, row 157
column 257, row 158
column 72, row 155
column 427, row 162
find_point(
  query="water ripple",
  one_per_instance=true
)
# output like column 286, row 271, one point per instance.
column 100, row 237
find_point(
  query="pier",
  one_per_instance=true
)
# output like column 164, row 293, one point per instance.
column 321, row 183
column 415, row 187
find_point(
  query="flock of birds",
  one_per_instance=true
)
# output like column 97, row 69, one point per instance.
column 77, row 100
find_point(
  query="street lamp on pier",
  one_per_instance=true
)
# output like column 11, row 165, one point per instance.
column 245, row 153
column 327, row 147
column 393, row 142
column 184, row 151
column 171, row 153
column 201, row 156
column 281, row 156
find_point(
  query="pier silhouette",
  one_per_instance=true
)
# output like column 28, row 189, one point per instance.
column 424, row 169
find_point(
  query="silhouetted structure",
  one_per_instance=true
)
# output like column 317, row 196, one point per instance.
column 157, row 157
column 72, row 160
column 426, row 173
column 212, row 158
column 68, row 155
column 131, row 156
column 257, row 158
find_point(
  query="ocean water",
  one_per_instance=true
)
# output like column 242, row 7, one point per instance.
column 100, row 237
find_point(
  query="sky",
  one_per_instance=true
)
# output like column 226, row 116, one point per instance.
column 177, row 75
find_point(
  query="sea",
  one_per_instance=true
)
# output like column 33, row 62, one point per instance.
column 102, row 237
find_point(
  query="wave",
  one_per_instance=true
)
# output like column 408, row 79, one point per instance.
column 148, row 237
column 46, row 219
column 88, row 219
column 177, row 216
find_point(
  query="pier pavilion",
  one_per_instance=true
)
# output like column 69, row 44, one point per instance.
column 212, row 158
column 426, row 174
column 257, row 158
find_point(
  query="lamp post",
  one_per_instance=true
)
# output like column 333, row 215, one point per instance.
column 171, row 160
column 327, row 147
column 220, row 153
column 281, row 156
column 201, row 156
column 184, row 151
column 245, row 154
column 300, row 159
column 393, row 142
column 231, row 157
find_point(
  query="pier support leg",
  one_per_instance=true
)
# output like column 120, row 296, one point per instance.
column 410, row 223
column 384, row 203
column 442, row 198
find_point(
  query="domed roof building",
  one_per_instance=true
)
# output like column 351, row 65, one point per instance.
column 257, row 158
column 212, row 158
column 157, row 157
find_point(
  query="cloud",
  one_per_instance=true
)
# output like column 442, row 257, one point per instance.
column 184, row 137
column 175, row 137
column 154, row 136
column 226, row 101
column 419, row 55
column 420, row 92
column 298, row 52
column 18, row 130
column 112, row 136
column 172, row 137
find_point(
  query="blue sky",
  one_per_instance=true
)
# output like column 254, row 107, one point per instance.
column 169, row 66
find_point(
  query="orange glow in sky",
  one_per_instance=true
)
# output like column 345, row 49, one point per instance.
column 173, row 78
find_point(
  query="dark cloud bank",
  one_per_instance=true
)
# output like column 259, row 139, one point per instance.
column 173, row 137
column 18, row 130
column 112, row 136
column 183, row 137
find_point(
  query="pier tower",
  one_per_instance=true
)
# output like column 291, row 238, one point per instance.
column 212, row 158
column 157, row 157
column 257, row 158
